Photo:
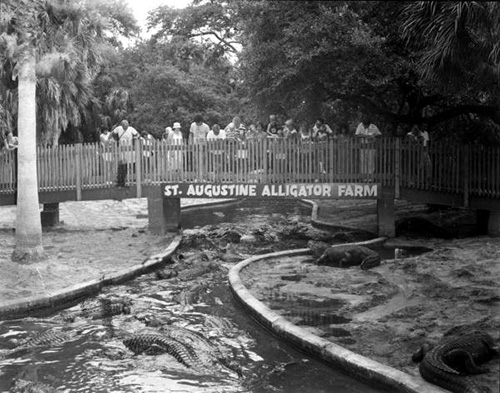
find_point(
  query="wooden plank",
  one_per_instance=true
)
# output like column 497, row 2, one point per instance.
column 466, row 173
column 139, row 161
column 78, row 169
column 397, row 167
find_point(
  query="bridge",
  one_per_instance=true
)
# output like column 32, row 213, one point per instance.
column 445, row 173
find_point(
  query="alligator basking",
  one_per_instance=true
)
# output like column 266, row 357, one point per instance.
column 448, row 364
column 349, row 255
column 156, row 344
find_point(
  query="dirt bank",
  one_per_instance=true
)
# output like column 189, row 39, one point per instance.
column 386, row 313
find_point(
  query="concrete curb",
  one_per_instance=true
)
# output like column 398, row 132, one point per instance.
column 316, row 223
column 38, row 304
column 360, row 367
column 211, row 204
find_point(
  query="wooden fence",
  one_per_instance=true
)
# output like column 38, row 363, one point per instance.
column 442, row 167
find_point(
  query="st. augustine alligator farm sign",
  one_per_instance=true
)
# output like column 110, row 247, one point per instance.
column 262, row 190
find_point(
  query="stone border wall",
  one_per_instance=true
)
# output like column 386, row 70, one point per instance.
column 357, row 366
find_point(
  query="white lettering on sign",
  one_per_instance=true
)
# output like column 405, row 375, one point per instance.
column 315, row 190
column 171, row 190
column 357, row 190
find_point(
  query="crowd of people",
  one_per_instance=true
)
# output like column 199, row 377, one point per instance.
column 199, row 131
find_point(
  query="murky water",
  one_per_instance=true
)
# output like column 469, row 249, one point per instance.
column 91, row 356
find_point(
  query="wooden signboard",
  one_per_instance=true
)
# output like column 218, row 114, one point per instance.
column 275, row 190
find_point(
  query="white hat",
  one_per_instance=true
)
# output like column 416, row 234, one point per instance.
column 176, row 125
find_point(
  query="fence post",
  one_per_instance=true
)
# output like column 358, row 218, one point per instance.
column 78, row 171
column 138, row 167
column 397, row 167
column 466, row 174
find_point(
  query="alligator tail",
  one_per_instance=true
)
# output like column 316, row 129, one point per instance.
column 452, row 382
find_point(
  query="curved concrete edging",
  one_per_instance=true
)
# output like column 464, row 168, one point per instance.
column 21, row 307
column 211, row 204
column 315, row 222
column 358, row 366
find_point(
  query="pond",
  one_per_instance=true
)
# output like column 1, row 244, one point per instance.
column 78, row 351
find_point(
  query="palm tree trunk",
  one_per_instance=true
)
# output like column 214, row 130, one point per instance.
column 29, row 246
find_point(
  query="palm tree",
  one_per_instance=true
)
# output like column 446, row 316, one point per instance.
column 40, row 37
column 459, row 40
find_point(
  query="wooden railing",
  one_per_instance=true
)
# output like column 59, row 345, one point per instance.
column 442, row 167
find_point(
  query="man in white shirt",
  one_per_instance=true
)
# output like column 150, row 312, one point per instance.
column 367, row 132
column 124, row 134
column 216, row 133
column 216, row 150
column 198, row 129
column 198, row 134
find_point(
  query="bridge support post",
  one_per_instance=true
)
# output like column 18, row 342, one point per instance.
column 386, row 225
column 50, row 215
column 164, row 214
column 482, row 219
column 494, row 223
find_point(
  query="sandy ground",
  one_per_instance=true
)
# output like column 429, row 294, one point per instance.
column 94, row 238
column 385, row 313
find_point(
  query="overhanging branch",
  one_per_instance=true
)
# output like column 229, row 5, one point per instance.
column 227, row 43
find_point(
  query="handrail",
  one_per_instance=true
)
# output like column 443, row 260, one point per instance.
column 470, row 170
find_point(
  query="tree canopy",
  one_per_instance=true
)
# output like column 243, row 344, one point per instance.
column 402, row 63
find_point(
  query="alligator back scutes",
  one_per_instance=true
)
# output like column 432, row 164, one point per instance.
column 103, row 308
column 23, row 386
column 218, row 323
column 474, row 348
column 50, row 337
column 189, row 337
column 156, row 343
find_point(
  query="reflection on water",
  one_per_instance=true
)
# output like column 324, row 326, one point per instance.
column 92, row 357
column 258, row 211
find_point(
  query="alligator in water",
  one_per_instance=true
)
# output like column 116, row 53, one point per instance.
column 208, row 352
column 156, row 344
column 349, row 255
column 448, row 364
column 104, row 308
column 23, row 386
column 51, row 337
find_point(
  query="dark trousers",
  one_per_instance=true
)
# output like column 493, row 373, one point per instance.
column 121, row 175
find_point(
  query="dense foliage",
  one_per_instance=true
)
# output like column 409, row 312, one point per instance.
column 402, row 63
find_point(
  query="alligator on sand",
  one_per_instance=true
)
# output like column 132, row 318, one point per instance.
column 345, row 255
column 450, row 363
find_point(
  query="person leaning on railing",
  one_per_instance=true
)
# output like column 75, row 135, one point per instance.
column 10, row 141
column 419, row 136
column 124, row 135
column 174, row 155
column 367, row 132
column 321, row 133
column 10, row 144
column 216, row 149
